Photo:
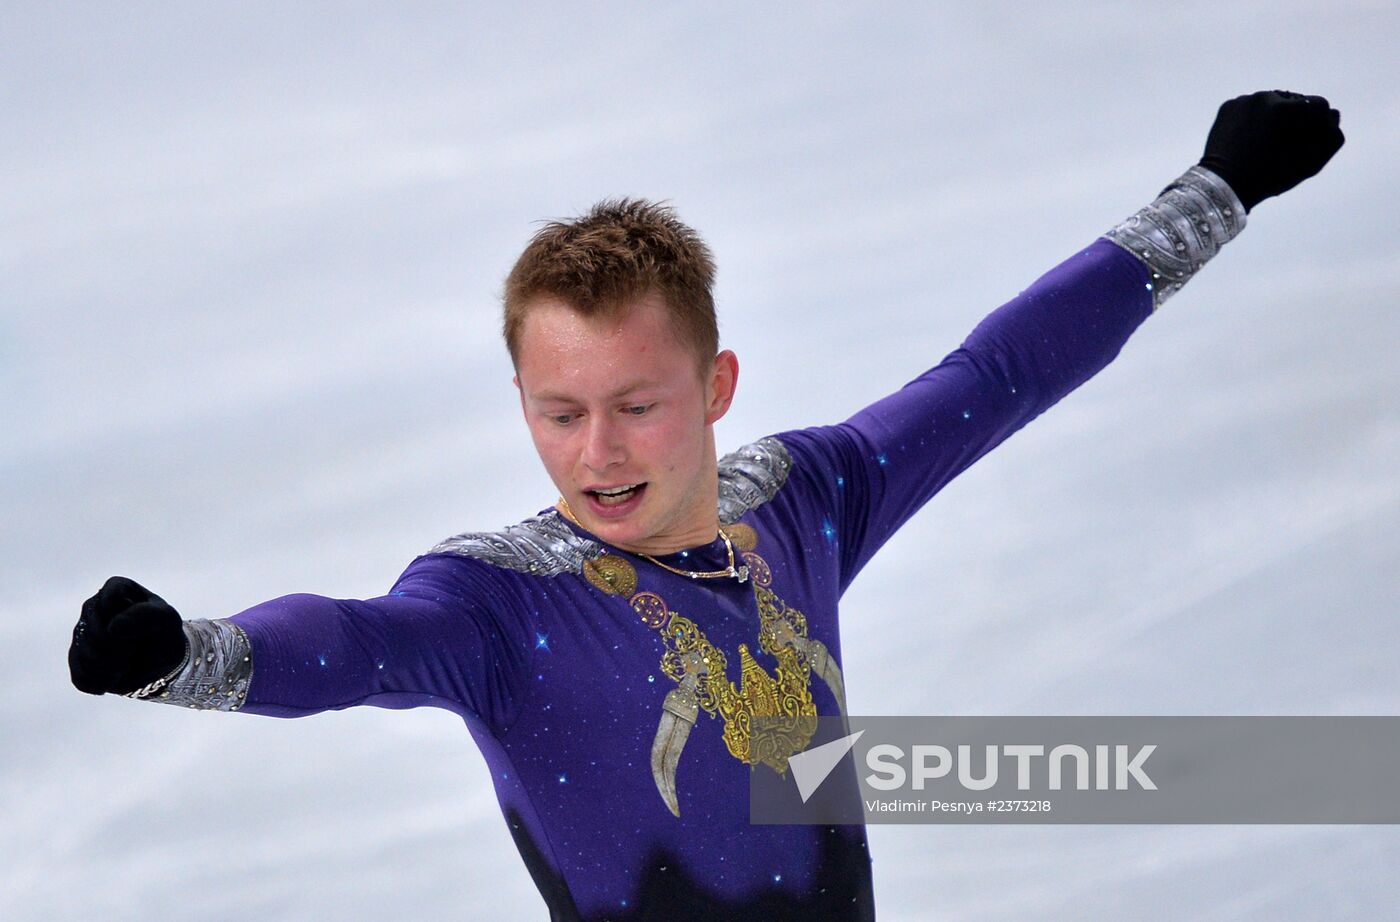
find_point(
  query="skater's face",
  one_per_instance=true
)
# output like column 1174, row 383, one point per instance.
column 618, row 401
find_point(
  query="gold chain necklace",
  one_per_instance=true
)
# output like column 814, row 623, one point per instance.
column 740, row 573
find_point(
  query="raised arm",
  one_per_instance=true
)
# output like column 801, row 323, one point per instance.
column 431, row 641
column 880, row 466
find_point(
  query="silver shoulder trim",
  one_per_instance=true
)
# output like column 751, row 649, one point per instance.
column 1181, row 230
column 217, row 673
column 751, row 476
column 541, row 545
column 544, row 545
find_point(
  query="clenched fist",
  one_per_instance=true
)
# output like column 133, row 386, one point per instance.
column 1266, row 143
column 125, row 638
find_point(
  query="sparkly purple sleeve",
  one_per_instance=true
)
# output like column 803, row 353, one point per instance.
column 431, row 641
column 878, row 468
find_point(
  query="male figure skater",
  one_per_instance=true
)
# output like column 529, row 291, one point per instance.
column 609, row 653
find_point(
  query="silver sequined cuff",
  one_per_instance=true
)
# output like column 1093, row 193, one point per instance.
column 1184, row 227
column 217, row 673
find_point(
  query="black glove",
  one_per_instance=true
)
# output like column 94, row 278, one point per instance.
column 126, row 638
column 1266, row 143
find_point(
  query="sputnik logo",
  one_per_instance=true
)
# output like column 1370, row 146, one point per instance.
column 811, row 767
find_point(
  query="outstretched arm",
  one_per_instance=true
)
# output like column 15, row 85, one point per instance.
column 430, row 641
column 880, row 466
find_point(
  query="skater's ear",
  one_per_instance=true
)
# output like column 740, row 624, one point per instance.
column 720, row 385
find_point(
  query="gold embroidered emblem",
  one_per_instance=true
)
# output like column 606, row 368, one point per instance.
column 742, row 536
column 612, row 574
column 699, row 669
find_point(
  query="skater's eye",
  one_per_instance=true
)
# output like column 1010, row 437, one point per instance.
column 563, row 419
column 639, row 409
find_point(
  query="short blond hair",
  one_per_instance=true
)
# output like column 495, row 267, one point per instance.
column 602, row 261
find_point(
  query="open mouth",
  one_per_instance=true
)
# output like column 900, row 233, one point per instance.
column 616, row 499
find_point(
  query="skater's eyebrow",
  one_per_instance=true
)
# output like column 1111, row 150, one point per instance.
column 620, row 392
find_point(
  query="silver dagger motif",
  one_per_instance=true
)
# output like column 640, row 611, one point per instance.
column 818, row 657
column 824, row 665
column 678, row 713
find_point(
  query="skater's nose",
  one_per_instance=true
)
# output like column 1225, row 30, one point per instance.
column 603, row 443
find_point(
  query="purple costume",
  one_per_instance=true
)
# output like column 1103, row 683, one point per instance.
column 610, row 697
